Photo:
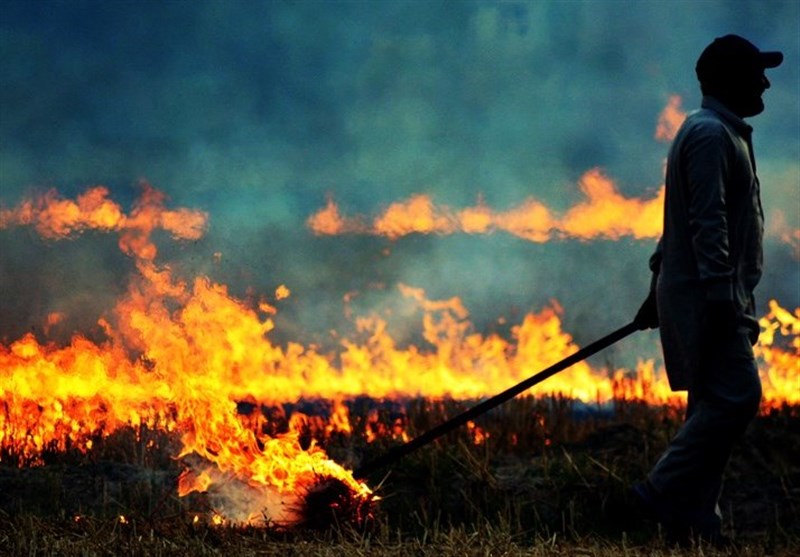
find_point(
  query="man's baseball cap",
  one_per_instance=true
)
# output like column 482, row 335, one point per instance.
column 731, row 54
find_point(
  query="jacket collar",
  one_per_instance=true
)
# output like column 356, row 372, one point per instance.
column 740, row 125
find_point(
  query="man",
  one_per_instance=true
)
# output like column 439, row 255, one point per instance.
column 706, row 265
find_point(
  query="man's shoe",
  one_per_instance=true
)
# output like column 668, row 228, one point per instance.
column 654, row 507
column 681, row 527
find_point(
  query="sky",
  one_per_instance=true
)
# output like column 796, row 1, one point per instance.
column 258, row 112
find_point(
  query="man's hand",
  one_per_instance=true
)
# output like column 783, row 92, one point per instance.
column 647, row 316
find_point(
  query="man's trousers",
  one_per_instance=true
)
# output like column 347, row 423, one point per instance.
column 723, row 399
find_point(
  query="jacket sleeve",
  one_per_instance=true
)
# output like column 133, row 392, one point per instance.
column 707, row 154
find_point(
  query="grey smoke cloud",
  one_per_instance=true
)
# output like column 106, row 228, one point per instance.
column 256, row 111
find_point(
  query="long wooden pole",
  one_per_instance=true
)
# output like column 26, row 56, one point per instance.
column 400, row 451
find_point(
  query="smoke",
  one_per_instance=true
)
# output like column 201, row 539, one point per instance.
column 255, row 112
column 243, row 504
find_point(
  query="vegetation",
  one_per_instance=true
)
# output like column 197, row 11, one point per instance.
column 534, row 477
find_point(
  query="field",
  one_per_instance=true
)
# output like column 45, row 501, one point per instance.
column 537, row 476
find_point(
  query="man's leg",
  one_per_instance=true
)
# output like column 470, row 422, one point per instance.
column 688, row 477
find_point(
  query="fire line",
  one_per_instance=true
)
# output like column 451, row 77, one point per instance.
column 181, row 354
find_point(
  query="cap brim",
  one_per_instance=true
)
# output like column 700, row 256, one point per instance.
column 771, row 59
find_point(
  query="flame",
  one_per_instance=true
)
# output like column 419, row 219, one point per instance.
column 779, row 348
column 197, row 362
column 670, row 119
column 328, row 221
column 180, row 371
column 478, row 434
column 418, row 214
column 605, row 213
column 180, row 355
column 608, row 214
column 54, row 217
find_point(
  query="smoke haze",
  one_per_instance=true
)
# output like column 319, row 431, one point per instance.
column 257, row 112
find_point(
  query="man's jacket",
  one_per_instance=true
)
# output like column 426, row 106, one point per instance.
column 711, row 247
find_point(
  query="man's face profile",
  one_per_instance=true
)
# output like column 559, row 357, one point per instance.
column 746, row 90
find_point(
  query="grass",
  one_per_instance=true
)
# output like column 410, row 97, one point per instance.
column 27, row 535
column 550, row 479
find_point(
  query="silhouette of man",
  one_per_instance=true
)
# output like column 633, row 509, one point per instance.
column 705, row 267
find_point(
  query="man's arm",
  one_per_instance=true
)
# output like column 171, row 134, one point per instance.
column 707, row 154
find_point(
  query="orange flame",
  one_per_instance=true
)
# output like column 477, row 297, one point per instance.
column 197, row 362
column 605, row 213
column 54, row 217
column 478, row 434
column 179, row 355
column 779, row 348
column 193, row 365
column 670, row 119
